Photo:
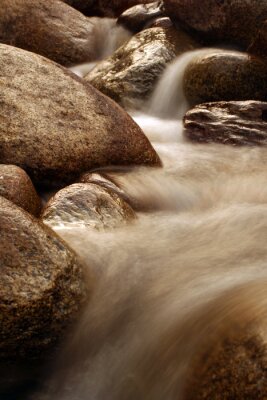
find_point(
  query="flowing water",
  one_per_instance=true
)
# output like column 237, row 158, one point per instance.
column 187, row 274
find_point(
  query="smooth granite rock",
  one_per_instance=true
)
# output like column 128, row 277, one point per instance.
column 48, row 27
column 42, row 287
column 55, row 125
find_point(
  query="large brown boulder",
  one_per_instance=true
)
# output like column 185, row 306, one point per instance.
column 41, row 286
column 234, row 21
column 130, row 74
column 48, row 27
column 104, row 8
column 87, row 204
column 225, row 75
column 235, row 123
column 16, row 186
column 55, row 125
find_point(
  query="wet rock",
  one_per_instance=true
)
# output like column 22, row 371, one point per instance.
column 41, row 287
column 233, row 21
column 235, row 123
column 16, row 186
column 55, row 125
column 138, row 17
column 130, row 75
column 137, row 186
column 47, row 27
column 87, row 204
column 225, row 75
column 104, row 8
column 106, row 181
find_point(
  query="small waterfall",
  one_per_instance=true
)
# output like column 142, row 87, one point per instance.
column 188, row 274
column 168, row 100
column 108, row 37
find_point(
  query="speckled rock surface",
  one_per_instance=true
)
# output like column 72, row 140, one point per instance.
column 16, row 186
column 235, row 369
column 138, row 17
column 105, row 8
column 226, row 75
column 235, row 123
column 129, row 76
column 55, row 126
column 41, row 287
column 47, row 27
column 87, row 204
column 234, row 21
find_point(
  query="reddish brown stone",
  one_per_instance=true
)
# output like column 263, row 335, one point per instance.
column 16, row 186
column 55, row 125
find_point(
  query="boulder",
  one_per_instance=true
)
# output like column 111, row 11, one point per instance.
column 104, row 8
column 55, row 125
column 138, row 17
column 231, row 21
column 235, row 123
column 86, row 204
column 16, row 186
column 41, row 287
column 48, row 27
column 225, row 75
column 130, row 74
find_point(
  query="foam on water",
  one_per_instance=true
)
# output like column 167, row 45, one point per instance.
column 183, row 277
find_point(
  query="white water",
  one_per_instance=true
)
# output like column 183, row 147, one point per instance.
column 177, row 281
column 168, row 100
